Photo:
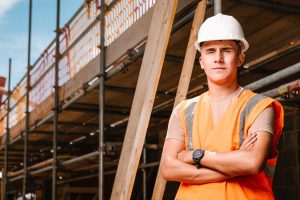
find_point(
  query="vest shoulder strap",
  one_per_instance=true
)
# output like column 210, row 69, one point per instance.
column 245, row 113
column 187, row 112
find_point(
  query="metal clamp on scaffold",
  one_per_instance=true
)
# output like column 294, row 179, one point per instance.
column 29, row 67
column 102, row 6
column 60, row 165
column 291, row 90
column 59, row 31
column 128, row 59
column 102, row 75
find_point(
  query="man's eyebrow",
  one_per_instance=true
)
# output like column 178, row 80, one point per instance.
column 227, row 47
column 210, row 49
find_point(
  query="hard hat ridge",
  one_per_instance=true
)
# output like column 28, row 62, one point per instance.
column 222, row 27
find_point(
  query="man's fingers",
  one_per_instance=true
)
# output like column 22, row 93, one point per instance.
column 249, row 141
column 249, row 138
column 252, row 139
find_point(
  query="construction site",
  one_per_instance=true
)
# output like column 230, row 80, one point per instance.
column 89, row 118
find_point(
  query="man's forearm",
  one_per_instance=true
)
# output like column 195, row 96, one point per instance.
column 249, row 159
column 175, row 170
column 234, row 163
column 231, row 163
column 203, row 175
column 241, row 162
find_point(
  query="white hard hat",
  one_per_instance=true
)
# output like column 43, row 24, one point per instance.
column 222, row 27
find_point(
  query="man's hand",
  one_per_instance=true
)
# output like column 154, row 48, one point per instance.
column 186, row 156
column 248, row 142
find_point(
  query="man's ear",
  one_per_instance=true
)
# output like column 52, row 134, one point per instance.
column 201, row 63
column 241, row 59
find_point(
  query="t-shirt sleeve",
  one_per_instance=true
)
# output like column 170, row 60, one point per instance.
column 175, row 129
column 265, row 122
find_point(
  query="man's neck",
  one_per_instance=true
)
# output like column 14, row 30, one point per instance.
column 221, row 91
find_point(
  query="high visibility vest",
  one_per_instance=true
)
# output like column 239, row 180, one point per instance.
column 228, row 135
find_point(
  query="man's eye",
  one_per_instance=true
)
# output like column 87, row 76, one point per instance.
column 227, row 50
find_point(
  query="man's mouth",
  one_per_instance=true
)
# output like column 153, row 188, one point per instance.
column 219, row 68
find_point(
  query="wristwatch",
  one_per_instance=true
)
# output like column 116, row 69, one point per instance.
column 197, row 156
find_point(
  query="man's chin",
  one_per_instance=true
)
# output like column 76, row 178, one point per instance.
column 219, row 81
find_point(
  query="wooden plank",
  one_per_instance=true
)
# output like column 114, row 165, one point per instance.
column 183, row 86
column 158, row 37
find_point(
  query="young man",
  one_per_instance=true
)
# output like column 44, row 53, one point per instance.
column 222, row 144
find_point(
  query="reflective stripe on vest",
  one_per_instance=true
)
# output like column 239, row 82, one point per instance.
column 248, row 108
column 190, row 111
column 189, row 117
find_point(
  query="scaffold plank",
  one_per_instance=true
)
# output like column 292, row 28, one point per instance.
column 157, row 42
column 183, row 85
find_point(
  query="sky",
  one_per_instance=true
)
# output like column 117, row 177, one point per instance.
column 14, row 18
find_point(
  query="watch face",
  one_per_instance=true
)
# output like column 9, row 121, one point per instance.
column 197, row 155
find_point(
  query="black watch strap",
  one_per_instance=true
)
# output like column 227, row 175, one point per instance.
column 197, row 156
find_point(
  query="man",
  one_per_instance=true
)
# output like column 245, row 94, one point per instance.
column 222, row 144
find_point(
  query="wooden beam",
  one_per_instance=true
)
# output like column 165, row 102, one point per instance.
column 158, row 37
column 184, row 81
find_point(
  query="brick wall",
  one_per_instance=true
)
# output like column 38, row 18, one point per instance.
column 287, row 175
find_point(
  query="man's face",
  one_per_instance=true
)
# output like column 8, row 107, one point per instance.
column 220, row 60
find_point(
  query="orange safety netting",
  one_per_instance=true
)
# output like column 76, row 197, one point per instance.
column 117, row 20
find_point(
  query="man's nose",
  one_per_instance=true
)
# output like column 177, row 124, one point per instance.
column 219, row 57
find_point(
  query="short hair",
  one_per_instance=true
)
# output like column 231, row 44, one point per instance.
column 239, row 44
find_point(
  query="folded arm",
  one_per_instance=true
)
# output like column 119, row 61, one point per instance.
column 241, row 162
column 173, row 169
column 245, row 161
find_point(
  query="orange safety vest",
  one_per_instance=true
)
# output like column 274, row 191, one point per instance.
column 227, row 135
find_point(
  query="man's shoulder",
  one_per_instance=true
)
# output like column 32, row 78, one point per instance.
column 191, row 101
column 258, row 96
column 194, row 99
column 187, row 104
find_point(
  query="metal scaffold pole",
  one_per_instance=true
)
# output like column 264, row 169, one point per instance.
column 56, row 104
column 25, row 178
column 217, row 6
column 7, row 137
column 101, row 99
